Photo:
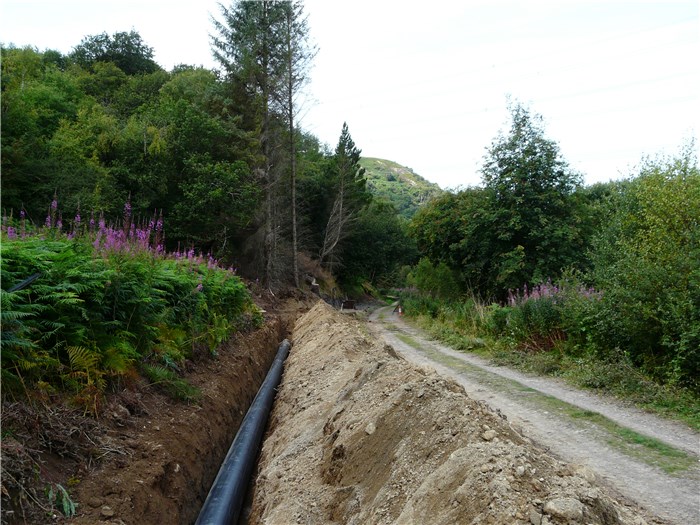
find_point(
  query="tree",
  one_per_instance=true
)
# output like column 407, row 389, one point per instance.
column 298, row 54
column 534, row 231
column 126, row 50
column 250, row 47
column 455, row 230
column 645, row 261
column 377, row 247
column 218, row 199
column 351, row 195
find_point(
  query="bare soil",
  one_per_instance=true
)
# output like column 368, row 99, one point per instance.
column 360, row 435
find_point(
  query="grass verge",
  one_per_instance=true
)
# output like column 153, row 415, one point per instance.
column 631, row 443
column 617, row 378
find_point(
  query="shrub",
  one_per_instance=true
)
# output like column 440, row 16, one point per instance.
column 109, row 301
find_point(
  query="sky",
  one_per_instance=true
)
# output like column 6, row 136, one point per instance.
column 427, row 84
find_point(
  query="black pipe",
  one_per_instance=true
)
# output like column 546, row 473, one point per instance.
column 227, row 494
column 24, row 283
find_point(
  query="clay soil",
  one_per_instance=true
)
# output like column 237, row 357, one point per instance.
column 146, row 459
column 359, row 435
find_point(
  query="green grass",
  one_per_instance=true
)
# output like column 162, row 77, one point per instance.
column 647, row 449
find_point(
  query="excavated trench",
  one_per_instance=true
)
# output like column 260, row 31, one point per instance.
column 165, row 456
column 356, row 435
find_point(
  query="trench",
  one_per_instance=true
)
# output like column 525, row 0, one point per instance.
column 219, row 448
column 227, row 494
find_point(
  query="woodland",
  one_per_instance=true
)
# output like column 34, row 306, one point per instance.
column 128, row 189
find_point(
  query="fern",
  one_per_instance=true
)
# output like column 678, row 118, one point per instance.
column 84, row 368
column 171, row 383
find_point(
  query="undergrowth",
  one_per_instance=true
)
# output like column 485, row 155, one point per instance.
column 537, row 340
column 107, row 303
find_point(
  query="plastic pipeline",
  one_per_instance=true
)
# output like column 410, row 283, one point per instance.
column 226, row 497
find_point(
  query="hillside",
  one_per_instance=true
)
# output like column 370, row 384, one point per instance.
column 398, row 184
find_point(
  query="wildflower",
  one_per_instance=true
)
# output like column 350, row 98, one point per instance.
column 11, row 233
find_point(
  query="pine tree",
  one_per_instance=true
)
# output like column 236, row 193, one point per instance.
column 351, row 195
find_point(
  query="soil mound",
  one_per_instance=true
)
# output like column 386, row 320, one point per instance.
column 358, row 435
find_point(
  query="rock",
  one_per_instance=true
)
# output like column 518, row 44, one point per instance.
column 488, row 435
column 585, row 472
column 535, row 517
column 106, row 511
column 370, row 428
column 520, row 471
column 566, row 508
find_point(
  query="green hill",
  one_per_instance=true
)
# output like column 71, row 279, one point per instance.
column 398, row 184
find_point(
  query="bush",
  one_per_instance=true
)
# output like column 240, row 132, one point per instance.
column 106, row 303
column 434, row 280
column 646, row 261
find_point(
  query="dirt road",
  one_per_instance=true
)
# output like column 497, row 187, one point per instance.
column 652, row 461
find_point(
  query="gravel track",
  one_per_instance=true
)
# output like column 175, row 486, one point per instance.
column 525, row 401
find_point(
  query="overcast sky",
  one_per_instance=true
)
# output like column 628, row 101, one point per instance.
column 425, row 84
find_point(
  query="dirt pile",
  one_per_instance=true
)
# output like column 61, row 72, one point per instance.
column 358, row 435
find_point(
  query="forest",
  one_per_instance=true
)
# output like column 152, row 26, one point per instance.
column 165, row 183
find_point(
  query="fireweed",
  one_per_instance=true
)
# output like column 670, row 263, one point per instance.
column 110, row 298
column 544, row 316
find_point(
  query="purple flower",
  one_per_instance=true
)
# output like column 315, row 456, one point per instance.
column 11, row 234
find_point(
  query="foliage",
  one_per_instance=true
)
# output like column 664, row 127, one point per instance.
column 377, row 247
column 96, row 136
column 390, row 181
column 521, row 227
column 106, row 300
column 434, row 280
column 126, row 51
column 544, row 317
column 349, row 186
column 507, row 336
column 59, row 496
column 646, row 261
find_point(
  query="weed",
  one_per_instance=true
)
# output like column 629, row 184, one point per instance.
column 58, row 496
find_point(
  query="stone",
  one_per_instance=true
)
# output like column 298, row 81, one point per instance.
column 106, row 511
column 535, row 517
column 488, row 435
column 370, row 428
column 566, row 508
